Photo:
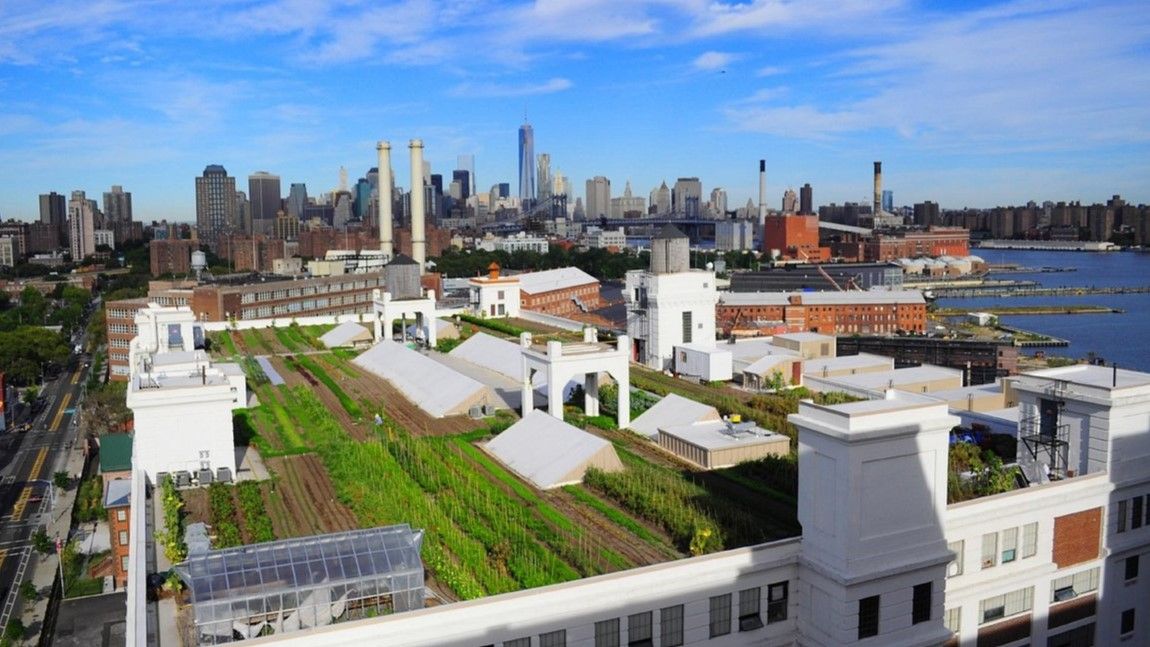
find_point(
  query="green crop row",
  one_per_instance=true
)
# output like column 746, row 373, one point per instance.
column 223, row 516
column 252, row 506
column 619, row 518
column 345, row 401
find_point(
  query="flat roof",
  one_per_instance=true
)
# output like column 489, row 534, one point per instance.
column 1094, row 376
column 892, row 401
column 118, row 493
column 804, row 336
column 976, row 390
column 713, row 435
column 862, row 360
column 115, row 453
column 821, row 298
column 910, row 375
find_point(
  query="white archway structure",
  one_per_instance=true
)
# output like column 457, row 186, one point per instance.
column 563, row 362
column 386, row 311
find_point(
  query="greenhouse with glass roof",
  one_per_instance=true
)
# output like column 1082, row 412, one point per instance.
column 281, row 586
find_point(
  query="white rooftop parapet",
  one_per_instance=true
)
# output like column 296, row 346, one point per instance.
column 562, row 362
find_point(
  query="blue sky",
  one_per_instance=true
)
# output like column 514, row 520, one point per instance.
column 966, row 103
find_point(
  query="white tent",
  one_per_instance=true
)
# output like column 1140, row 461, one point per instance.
column 433, row 387
column 348, row 333
column 550, row 453
column 672, row 410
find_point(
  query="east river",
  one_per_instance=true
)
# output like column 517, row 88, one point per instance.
column 1120, row 338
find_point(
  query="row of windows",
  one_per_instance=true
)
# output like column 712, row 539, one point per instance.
column 869, row 609
column 1007, row 550
column 123, row 329
column 1006, row 605
column 291, row 293
column 640, row 626
column 1071, row 586
column 1132, row 513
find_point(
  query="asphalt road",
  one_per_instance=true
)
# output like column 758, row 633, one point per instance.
column 27, row 460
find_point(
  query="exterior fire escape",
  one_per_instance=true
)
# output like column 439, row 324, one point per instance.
column 1045, row 436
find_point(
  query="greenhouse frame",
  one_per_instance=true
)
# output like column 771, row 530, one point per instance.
column 290, row 584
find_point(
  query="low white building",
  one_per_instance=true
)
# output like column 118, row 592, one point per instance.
column 182, row 403
column 494, row 295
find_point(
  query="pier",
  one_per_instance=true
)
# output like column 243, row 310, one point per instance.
column 1032, row 291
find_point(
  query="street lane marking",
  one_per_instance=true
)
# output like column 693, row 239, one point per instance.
column 76, row 377
column 60, row 413
column 39, row 464
column 26, row 493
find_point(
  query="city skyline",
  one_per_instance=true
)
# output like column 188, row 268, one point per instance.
column 974, row 107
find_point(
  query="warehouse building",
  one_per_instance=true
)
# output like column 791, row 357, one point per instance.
column 828, row 313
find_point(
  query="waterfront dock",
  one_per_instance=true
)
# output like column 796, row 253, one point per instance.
column 1033, row 291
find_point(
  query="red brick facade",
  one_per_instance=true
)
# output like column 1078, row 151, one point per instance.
column 1077, row 537
column 119, row 522
column 937, row 241
column 795, row 237
column 564, row 301
column 828, row 319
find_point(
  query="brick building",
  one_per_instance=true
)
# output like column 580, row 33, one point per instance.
column 171, row 256
column 829, row 313
column 936, row 241
column 794, row 237
column 438, row 240
column 253, row 253
column 326, row 295
column 316, row 241
column 982, row 361
column 118, row 504
column 563, row 291
column 120, row 328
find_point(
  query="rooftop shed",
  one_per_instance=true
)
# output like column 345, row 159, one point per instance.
column 713, row 444
column 433, row 387
column 550, row 453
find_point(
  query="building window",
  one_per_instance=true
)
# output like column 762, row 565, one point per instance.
column 1071, row 586
column 1121, row 514
column 671, row 626
column 687, row 327
column 1127, row 626
column 639, row 630
column 868, row 617
column 749, row 618
column 1009, row 545
column 553, row 639
column 1131, row 567
column 1136, row 512
column 121, row 515
column 989, row 549
column 1029, row 540
column 124, row 563
column 920, row 603
column 1007, row 604
column 518, row 642
column 607, row 633
column 720, row 615
column 952, row 619
column 123, row 537
column 777, row 602
column 954, row 568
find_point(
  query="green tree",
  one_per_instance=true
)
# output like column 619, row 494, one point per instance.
column 28, row 591
column 61, row 480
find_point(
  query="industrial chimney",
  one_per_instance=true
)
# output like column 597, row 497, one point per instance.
column 762, row 193
column 418, row 232
column 877, row 189
column 386, row 244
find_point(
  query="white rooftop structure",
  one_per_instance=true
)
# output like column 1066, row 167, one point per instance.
column 671, row 410
column 924, row 379
column 557, row 279
column 714, row 444
column 847, row 364
column 348, row 333
column 551, row 453
column 433, row 387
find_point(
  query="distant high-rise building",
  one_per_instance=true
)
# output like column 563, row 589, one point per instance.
column 661, row 199
column 719, row 202
column 686, row 195
column 560, row 184
column 215, row 204
column 463, row 177
column 598, row 197
column 888, row 201
column 628, row 206
column 467, row 163
column 790, row 201
column 363, row 199
column 243, row 217
column 297, row 199
column 266, row 200
column 806, row 200
column 926, row 214
column 545, row 187
column 526, row 163
column 81, row 226
column 117, row 205
column 54, row 211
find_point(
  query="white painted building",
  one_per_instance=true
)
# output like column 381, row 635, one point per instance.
column 181, row 402
column 606, row 238
column 494, row 295
column 670, row 304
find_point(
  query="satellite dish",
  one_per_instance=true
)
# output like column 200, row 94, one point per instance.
column 710, row 265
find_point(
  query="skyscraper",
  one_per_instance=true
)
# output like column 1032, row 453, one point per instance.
column 598, row 197
column 215, row 204
column 467, row 163
column 545, row 187
column 888, row 201
column 526, row 163
column 806, row 200
column 81, row 226
column 297, row 199
column 264, row 193
column 463, row 176
column 686, row 195
column 54, row 211
column 661, row 199
column 118, row 205
column 719, row 202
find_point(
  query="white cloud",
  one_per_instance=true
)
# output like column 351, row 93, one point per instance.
column 494, row 90
column 710, row 61
column 769, row 70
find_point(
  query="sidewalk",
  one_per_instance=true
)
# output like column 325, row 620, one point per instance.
column 43, row 569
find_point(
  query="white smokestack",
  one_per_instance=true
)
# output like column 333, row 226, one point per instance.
column 418, row 233
column 762, row 193
column 386, row 244
column 877, row 189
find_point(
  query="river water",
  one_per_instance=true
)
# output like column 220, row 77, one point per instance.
column 1121, row 338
